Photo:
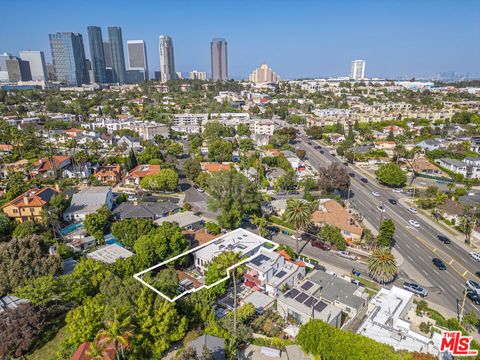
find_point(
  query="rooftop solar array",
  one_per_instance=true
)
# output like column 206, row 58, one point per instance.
column 320, row 306
column 280, row 274
column 307, row 285
column 301, row 297
column 259, row 260
column 310, row 301
column 292, row 293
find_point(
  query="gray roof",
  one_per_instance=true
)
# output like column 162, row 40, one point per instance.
column 214, row 344
column 108, row 254
column 454, row 162
column 128, row 210
column 258, row 299
column 362, row 149
column 88, row 200
column 333, row 288
column 470, row 200
column 10, row 302
column 183, row 219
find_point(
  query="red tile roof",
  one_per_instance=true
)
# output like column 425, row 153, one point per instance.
column 140, row 171
column 43, row 165
column 33, row 198
column 215, row 167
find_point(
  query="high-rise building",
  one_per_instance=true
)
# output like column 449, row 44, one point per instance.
column 178, row 75
column 137, row 57
column 51, row 72
column 4, row 57
column 167, row 60
column 263, row 74
column 357, row 70
column 38, row 68
column 68, row 55
column 108, row 55
column 197, row 75
column 119, row 71
column 218, row 49
column 18, row 70
column 97, row 54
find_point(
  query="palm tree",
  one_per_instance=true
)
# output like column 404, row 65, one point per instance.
column 96, row 350
column 382, row 266
column 450, row 186
column 118, row 330
column 298, row 213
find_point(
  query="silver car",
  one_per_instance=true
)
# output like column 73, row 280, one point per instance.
column 416, row 289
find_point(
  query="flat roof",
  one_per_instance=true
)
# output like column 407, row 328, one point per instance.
column 183, row 219
column 108, row 254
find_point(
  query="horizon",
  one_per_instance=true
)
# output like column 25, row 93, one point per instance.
column 396, row 40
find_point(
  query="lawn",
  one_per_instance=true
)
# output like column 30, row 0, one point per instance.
column 53, row 338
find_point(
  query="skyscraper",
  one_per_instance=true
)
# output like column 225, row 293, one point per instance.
column 167, row 60
column 118, row 58
column 68, row 55
column 18, row 70
column 218, row 48
column 263, row 75
column 97, row 55
column 108, row 54
column 357, row 71
column 38, row 67
column 197, row 75
column 137, row 57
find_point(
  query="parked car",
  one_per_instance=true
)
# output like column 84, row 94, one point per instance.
column 473, row 296
column 397, row 190
column 477, row 273
column 439, row 264
column 294, row 237
column 413, row 210
column 364, row 180
column 274, row 229
column 322, row 152
column 444, row 239
column 376, row 193
column 132, row 198
column 392, row 201
column 381, row 208
column 356, row 272
column 351, row 174
column 475, row 255
column 347, row 255
column 414, row 223
column 473, row 285
column 321, row 245
column 415, row 288
column 356, row 282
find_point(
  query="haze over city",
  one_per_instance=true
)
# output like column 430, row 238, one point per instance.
column 297, row 39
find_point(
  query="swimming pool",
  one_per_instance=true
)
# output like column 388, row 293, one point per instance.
column 110, row 239
column 70, row 228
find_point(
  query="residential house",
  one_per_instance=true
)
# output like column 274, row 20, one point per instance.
column 272, row 175
column 109, row 254
column 470, row 200
column 273, row 272
column 215, row 167
column 44, row 168
column 6, row 149
column 451, row 210
column 430, row 144
column 129, row 143
column 423, row 166
column 215, row 345
column 336, row 138
column 332, row 213
column 396, row 130
column 387, row 146
column 108, row 174
column 136, row 175
column 472, row 160
column 468, row 170
column 87, row 201
column 145, row 210
column 83, row 350
column 475, row 144
column 187, row 220
column 29, row 205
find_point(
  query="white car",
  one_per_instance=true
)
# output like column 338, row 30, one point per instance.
column 132, row 198
column 414, row 223
column 294, row 237
column 346, row 255
column 376, row 193
column 473, row 285
column 413, row 210
column 397, row 190
column 475, row 255
column 381, row 208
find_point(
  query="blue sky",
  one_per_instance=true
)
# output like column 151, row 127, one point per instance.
column 296, row 38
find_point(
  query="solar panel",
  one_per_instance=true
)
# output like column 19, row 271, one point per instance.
column 301, row 298
column 310, row 301
column 292, row 293
column 280, row 274
column 307, row 285
column 259, row 260
column 320, row 306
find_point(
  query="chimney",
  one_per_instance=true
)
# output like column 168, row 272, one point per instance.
column 25, row 198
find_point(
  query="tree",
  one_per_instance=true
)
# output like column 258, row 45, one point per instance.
column 245, row 144
column 149, row 153
column 160, row 244
column 299, row 213
column 333, row 178
column 386, row 232
column 117, row 330
column 220, row 150
column 40, row 290
column 20, row 326
column 16, row 185
column 192, row 168
column 175, row 149
column 333, row 236
column 213, row 228
column 243, row 130
column 382, row 266
column 127, row 231
column 215, row 130
column 300, row 153
column 23, row 259
column 391, row 174
column 130, row 160
column 6, row 227
column 28, row 228
column 97, row 223
column 165, row 180
column 96, row 350
column 315, row 132
column 234, row 196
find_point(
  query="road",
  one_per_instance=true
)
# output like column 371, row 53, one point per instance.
column 418, row 246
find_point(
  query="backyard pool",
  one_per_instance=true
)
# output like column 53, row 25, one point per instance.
column 110, row 239
column 70, row 228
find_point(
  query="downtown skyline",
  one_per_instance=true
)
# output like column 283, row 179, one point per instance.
column 417, row 44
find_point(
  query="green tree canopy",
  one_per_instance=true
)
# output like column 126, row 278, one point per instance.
column 192, row 168
column 165, row 180
column 97, row 223
column 220, row 150
column 127, row 231
column 386, row 232
column 391, row 174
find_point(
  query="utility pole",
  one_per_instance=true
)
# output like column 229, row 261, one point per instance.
column 381, row 214
column 460, row 317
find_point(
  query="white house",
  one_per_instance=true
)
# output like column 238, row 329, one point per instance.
column 87, row 201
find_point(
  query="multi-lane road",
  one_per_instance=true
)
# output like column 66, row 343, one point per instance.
column 418, row 246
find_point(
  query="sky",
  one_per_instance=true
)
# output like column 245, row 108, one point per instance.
column 296, row 38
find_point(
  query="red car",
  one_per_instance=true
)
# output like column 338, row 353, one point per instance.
column 321, row 245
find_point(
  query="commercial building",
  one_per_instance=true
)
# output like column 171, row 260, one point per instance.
column 197, row 75
column 357, row 70
column 36, row 59
column 18, row 70
column 4, row 57
column 167, row 59
column 137, row 57
column 119, row 72
column 263, row 74
column 68, row 55
column 219, row 59
column 97, row 54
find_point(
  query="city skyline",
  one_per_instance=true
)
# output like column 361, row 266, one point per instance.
column 417, row 45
